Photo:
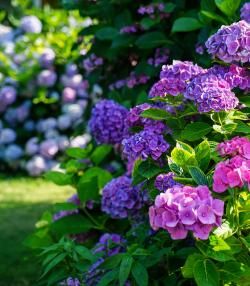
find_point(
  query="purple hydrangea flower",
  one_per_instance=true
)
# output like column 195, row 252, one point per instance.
column 64, row 122
column 165, row 181
column 72, row 282
column 47, row 58
column 120, row 199
column 135, row 120
column 174, row 78
column 49, row 148
column 92, row 62
column 181, row 209
column 160, row 57
column 7, row 95
column 46, row 78
column 129, row 29
column 236, row 76
column 36, row 166
column 245, row 12
column 69, row 94
column 107, row 122
column 143, row 145
column 231, row 43
column 13, row 152
column 31, row 24
column 32, row 146
column 7, row 136
column 211, row 93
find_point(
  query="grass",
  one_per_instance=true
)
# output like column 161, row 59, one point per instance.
column 22, row 201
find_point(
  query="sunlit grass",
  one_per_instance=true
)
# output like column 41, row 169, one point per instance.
column 22, row 201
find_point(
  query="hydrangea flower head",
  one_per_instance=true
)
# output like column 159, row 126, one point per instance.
column 211, row 93
column 165, row 181
column 231, row 43
column 232, row 173
column 143, row 145
column 245, row 12
column 235, row 146
column 107, row 122
column 182, row 208
column 174, row 78
column 120, row 199
column 31, row 24
column 46, row 78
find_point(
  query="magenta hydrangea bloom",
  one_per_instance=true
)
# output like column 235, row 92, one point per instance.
column 182, row 208
column 235, row 75
column 120, row 199
column 235, row 146
column 245, row 12
column 231, row 43
column 174, row 78
column 107, row 122
column 232, row 173
column 165, row 181
column 143, row 145
column 211, row 93
column 135, row 120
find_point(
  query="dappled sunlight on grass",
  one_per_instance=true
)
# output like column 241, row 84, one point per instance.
column 22, row 201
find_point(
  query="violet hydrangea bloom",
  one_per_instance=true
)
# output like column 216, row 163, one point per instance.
column 143, row 145
column 165, row 181
column 47, row 58
column 7, row 95
column 160, row 57
column 36, row 166
column 120, row 199
column 46, row 78
column 245, row 12
column 129, row 29
column 135, row 120
column 182, row 208
column 31, row 24
column 174, row 78
column 107, row 122
column 49, row 148
column 232, row 173
column 231, row 43
column 211, row 93
column 235, row 146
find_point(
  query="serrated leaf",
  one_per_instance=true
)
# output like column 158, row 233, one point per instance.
column 206, row 273
column 155, row 113
column 198, row 175
column 202, row 154
column 195, row 131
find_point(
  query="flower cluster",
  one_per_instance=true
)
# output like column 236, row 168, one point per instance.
column 231, row 43
column 31, row 24
column 108, row 245
column 245, row 12
column 120, row 199
column 135, row 120
column 107, row 123
column 211, row 93
column 174, row 78
column 92, row 62
column 152, row 10
column 143, row 145
column 131, row 81
column 235, row 146
column 181, row 209
column 160, row 57
column 165, row 181
column 234, row 172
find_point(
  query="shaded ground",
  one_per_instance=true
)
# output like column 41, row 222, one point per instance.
column 22, row 201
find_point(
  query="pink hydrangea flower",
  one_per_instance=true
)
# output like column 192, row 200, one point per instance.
column 182, row 208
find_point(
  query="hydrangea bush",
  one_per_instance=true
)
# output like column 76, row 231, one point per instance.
column 162, row 190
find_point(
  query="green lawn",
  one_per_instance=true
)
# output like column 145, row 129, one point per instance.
column 22, row 201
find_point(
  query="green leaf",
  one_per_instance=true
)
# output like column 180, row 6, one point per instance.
column 214, row 16
column 228, row 7
column 100, row 153
column 242, row 128
column 202, row 154
column 108, row 277
column 79, row 153
column 187, row 269
column 112, row 261
column 151, row 40
column 58, row 178
column 53, row 263
column 64, row 207
column 85, row 253
column 88, row 189
column 147, row 22
column 121, row 41
column 71, row 224
column 140, row 274
column 125, row 269
column 155, row 113
column 184, row 146
column 148, row 169
column 198, row 175
column 137, row 177
column 206, row 273
column 232, row 271
column 107, row 33
column 183, row 158
column 195, row 131
column 186, row 24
